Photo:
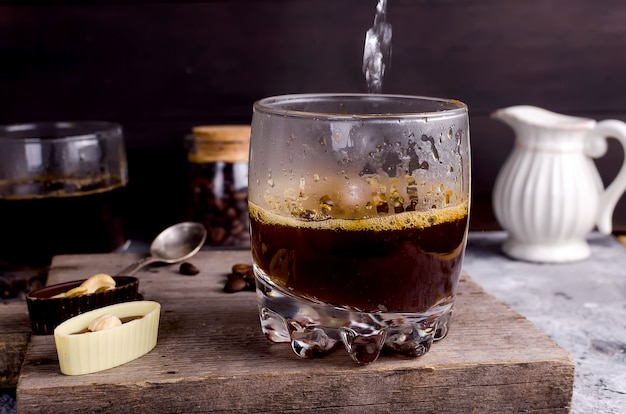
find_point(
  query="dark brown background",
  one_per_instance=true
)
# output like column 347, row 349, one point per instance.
column 159, row 68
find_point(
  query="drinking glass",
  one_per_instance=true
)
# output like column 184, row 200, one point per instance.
column 359, row 210
column 62, row 188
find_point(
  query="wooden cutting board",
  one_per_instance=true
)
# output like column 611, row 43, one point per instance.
column 212, row 357
column 14, row 337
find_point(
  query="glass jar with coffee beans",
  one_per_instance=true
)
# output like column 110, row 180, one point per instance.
column 217, row 158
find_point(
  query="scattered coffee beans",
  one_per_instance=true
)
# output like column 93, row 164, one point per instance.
column 242, row 270
column 241, row 278
column 235, row 284
column 219, row 200
column 188, row 269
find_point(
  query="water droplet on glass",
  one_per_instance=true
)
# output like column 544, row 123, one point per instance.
column 307, row 215
column 325, row 200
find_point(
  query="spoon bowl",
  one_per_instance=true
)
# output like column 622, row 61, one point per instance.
column 174, row 244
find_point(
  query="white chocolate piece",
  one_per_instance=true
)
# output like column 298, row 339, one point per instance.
column 82, row 352
column 106, row 321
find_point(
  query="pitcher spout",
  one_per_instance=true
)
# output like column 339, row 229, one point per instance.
column 518, row 115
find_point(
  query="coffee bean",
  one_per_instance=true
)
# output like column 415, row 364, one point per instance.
column 235, row 285
column 188, row 269
column 251, row 284
column 236, row 227
column 249, row 276
column 231, row 213
column 241, row 269
column 217, row 234
column 241, row 278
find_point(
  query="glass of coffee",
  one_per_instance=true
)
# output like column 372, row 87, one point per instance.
column 359, row 211
column 62, row 188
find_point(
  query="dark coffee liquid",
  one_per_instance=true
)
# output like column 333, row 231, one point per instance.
column 405, row 262
column 68, row 217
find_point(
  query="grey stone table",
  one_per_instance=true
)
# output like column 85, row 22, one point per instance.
column 581, row 306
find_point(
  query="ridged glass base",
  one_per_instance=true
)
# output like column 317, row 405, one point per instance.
column 314, row 328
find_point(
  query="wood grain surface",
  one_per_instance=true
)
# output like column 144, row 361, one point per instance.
column 14, row 337
column 212, row 357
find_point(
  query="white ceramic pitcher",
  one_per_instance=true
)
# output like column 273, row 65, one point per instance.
column 548, row 194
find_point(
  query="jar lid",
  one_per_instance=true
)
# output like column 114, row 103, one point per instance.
column 222, row 133
column 211, row 143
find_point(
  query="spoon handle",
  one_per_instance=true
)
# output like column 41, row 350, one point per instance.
column 134, row 267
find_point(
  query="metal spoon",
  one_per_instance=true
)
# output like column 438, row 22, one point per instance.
column 174, row 244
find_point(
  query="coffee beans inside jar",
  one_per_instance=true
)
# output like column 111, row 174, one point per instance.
column 218, row 183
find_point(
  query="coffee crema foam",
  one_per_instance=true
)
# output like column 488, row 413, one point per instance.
column 397, row 221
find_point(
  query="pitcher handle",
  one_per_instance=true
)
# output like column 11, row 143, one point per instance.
column 610, row 128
